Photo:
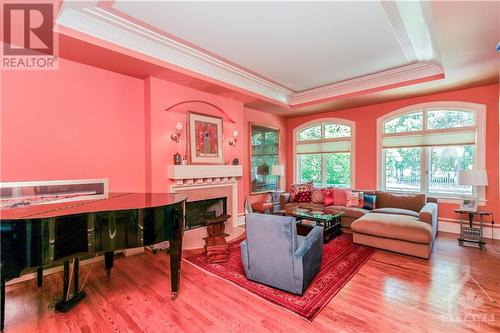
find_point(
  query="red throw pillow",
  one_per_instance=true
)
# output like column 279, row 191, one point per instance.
column 303, row 196
column 297, row 188
column 340, row 196
column 327, row 197
column 317, row 196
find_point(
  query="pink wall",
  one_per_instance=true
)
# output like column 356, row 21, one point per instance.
column 84, row 122
column 365, row 118
column 160, row 95
column 75, row 122
column 262, row 118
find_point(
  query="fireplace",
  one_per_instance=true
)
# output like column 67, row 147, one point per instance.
column 197, row 212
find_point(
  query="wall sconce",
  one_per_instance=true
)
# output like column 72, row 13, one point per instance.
column 232, row 141
column 175, row 136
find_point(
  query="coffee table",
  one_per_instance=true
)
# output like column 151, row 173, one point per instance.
column 307, row 218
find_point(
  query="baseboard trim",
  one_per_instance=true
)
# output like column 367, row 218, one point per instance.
column 32, row 276
column 453, row 226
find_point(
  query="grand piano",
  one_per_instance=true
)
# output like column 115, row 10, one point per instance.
column 35, row 237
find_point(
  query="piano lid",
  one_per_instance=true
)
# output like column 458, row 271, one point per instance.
column 114, row 202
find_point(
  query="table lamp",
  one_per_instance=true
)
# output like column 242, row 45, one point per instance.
column 278, row 170
column 472, row 178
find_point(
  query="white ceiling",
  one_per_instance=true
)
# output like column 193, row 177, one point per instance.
column 299, row 45
column 467, row 33
column 308, row 56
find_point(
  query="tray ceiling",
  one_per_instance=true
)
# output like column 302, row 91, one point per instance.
column 290, row 53
column 297, row 45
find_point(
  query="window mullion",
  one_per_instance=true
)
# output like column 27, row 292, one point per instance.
column 298, row 175
column 383, row 170
column 424, row 119
column 323, row 170
column 424, row 170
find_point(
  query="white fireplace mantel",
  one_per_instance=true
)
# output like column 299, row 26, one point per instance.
column 203, row 174
column 195, row 177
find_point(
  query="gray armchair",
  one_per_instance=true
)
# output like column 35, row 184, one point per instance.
column 273, row 254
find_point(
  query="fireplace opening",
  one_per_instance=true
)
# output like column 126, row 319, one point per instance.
column 198, row 212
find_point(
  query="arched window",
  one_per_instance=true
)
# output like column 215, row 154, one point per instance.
column 324, row 152
column 422, row 148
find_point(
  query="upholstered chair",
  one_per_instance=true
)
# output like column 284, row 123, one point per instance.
column 273, row 253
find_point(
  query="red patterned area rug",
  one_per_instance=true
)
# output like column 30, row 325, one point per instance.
column 341, row 261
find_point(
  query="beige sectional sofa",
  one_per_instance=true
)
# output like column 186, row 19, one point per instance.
column 404, row 223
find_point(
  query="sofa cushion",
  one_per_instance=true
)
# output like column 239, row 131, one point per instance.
column 413, row 202
column 354, row 198
column 317, row 196
column 327, row 196
column 296, row 188
column 402, row 227
column 399, row 211
column 369, row 201
column 303, row 196
column 340, row 196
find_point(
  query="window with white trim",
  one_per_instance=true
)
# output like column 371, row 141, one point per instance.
column 424, row 147
column 324, row 153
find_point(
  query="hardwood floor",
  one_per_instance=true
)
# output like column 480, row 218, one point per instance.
column 391, row 293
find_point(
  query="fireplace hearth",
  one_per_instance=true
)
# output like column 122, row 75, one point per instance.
column 198, row 212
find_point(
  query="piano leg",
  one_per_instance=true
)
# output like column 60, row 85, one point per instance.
column 66, row 303
column 65, row 280
column 175, row 266
column 39, row 276
column 2, row 303
column 175, row 250
column 108, row 262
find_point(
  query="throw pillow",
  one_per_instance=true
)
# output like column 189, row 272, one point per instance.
column 361, row 199
column 296, row 188
column 369, row 201
column 327, row 197
column 317, row 196
column 352, row 199
column 303, row 196
column 339, row 196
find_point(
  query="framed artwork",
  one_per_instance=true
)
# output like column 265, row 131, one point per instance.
column 205, row 139
column 469, row 205
column 264, row 153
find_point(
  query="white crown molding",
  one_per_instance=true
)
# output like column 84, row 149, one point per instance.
column 391, row 10
column 100, row 24
column 397, row 75
column 413, row 23
column 409, row 22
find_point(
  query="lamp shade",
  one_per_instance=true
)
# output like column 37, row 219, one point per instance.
column 473, row 177
column 278, row 170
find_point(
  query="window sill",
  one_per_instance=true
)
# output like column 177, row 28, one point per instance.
column 458, row 201
column 440, row 198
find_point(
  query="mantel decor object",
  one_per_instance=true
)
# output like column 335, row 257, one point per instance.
column 177, row 159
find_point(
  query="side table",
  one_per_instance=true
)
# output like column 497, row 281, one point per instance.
column 216, row 246
column 275, row 200
column 469, row 233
